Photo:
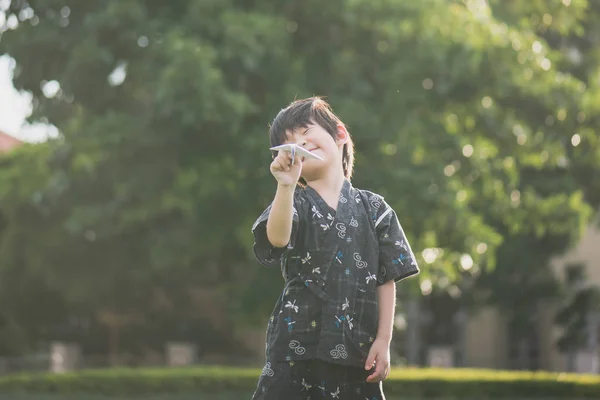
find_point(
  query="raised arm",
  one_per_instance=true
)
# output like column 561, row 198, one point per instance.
column 279, row 224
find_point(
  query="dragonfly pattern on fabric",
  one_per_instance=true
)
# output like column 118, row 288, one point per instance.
column 335, row 259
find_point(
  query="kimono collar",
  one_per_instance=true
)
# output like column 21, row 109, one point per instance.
column 347, row 203
column 346, row 195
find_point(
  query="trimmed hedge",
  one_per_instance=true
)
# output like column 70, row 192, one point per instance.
column 403, row 383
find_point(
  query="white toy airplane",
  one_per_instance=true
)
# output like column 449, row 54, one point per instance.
column 294, row 148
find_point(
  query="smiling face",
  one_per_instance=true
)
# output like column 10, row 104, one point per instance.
column 311, row 123
column 316, row 139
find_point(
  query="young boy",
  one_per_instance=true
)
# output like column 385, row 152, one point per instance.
column 340, row 250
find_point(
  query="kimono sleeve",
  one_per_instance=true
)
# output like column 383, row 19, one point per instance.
column 396, row 259
column 264, row 251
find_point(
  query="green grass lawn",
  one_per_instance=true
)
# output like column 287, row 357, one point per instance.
column 228, row 383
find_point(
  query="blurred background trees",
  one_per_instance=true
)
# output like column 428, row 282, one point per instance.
column 476, row 120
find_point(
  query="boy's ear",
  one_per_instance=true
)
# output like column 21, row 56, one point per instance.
column 342, row 134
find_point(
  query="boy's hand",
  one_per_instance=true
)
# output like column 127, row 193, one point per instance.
column 284, row 172
column 380, row 355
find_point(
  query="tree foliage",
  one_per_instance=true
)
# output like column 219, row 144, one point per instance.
column 463, row 115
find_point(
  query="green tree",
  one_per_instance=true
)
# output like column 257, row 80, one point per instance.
column 566, row 33
column 162, row 108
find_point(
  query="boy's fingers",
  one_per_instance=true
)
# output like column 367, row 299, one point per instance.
column 373, row 377
column 283, row 162
column 378, row 374
column 370, row 361
column 370, row 377
column 280, row 157
column 283, row 157
column 286, row 158
column 380, row 370
column 280, row 165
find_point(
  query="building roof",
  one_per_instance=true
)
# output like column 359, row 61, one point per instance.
column 8, row 142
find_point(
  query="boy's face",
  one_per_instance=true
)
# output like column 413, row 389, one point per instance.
column 316, row 139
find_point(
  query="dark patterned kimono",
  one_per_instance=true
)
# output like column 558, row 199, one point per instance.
column 331, row 267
